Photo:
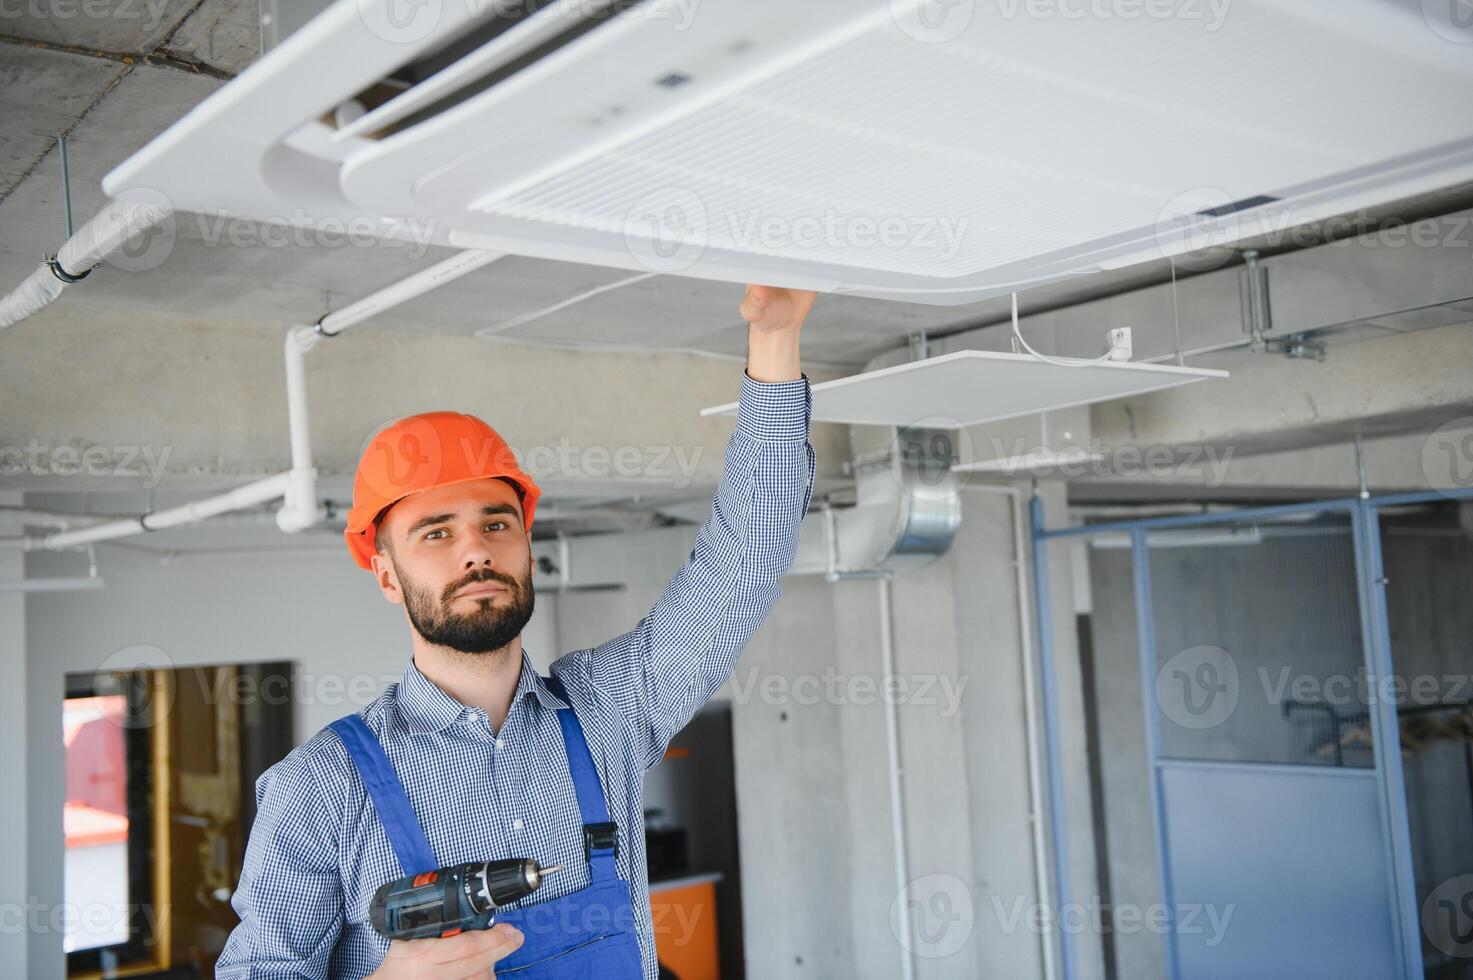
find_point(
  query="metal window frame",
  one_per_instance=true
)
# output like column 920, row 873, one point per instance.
column 1364, row 514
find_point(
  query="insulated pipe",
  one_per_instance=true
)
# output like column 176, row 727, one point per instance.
column 120, row 220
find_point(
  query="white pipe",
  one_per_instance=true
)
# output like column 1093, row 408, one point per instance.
column 897, row 802
column 119, row 220
column 1028, row 664
column 300, row 508
column 75, row 583
column 249, row 495
column 56, row 518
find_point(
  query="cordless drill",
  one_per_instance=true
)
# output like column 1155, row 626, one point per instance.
column 453, row 899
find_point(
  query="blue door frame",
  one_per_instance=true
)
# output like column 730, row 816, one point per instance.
column 1363, row 513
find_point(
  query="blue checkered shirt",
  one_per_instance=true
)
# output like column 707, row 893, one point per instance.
column 317, row 851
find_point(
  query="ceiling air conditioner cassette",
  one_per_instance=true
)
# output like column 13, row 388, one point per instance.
column 937, row 152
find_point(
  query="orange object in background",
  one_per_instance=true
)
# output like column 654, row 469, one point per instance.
column 96, row 758
column 684, row 912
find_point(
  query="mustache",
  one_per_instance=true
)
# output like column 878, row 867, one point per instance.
column 510, row 583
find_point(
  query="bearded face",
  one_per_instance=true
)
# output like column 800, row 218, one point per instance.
column 479, row 613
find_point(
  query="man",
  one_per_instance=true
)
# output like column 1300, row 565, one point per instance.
column 472, row 756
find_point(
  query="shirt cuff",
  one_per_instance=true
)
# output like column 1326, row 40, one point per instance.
column 775, row 410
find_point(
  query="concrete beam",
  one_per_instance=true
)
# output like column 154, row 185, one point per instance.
column 208, row 404
column 1393, row 383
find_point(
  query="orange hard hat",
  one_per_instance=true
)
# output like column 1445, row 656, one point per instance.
column 422, row 452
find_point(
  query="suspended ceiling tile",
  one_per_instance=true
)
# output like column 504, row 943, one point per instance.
column 969, row 387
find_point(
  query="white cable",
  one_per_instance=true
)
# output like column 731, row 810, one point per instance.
column 609, row 347
column 1061, row 362
column 616, row 347
column 486, row 333
column 996, row 287
column 1181, row 360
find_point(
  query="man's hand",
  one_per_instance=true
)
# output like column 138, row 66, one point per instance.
column 468, row 956
column 775, row 318
column 768, row 308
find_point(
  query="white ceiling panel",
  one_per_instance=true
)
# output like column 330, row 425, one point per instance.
column 969, row 387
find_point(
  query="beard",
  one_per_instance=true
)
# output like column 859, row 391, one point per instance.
column 489, row 628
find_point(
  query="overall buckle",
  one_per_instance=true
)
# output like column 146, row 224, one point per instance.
column 600, row 837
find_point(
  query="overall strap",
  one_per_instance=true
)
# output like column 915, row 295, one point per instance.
column 389, row 799
column 600, row 834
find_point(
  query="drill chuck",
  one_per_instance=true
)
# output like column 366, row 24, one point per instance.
column 453, row 899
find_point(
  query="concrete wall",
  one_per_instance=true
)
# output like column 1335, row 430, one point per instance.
column 14, row 764
column 1430, row 579
column 812, row 773
column 1286, row 602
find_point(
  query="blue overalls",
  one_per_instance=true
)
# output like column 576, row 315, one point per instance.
column 587, row 935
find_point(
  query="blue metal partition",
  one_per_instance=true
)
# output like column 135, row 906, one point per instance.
column 1293, row 814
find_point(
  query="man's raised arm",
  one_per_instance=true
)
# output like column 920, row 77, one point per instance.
column 661, row 672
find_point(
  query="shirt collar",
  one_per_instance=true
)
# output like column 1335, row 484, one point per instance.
column 424, row 706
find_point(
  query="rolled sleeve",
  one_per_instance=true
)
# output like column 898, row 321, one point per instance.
column 776, row 410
